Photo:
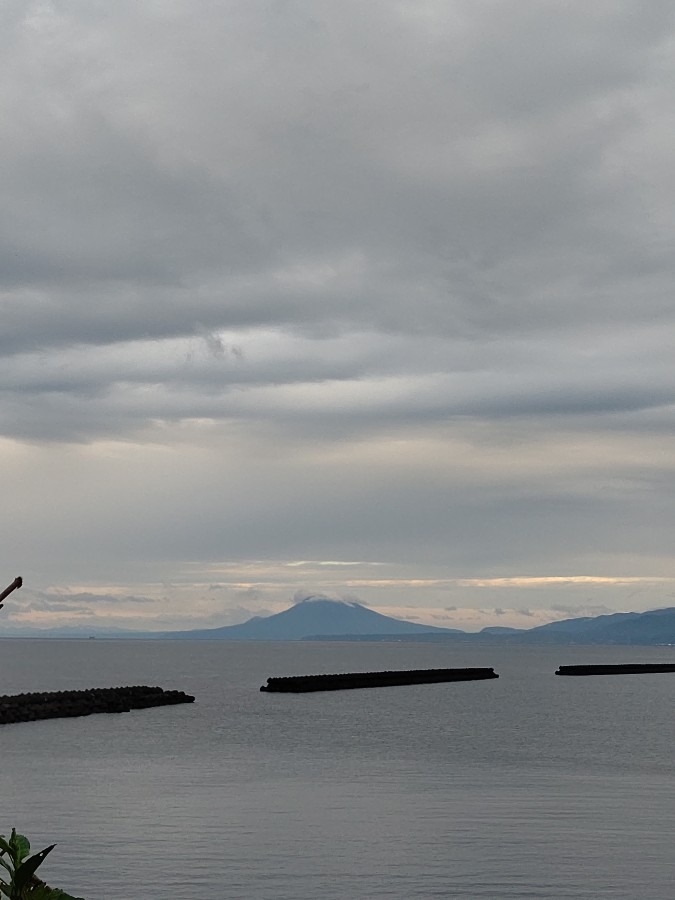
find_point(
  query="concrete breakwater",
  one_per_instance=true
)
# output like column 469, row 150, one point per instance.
column 349, row 680
column 62, row 704
column 618, row 669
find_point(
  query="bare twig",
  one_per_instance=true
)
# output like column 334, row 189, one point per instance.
column 12, row 587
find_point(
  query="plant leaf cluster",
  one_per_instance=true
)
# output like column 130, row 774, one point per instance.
column 20, row 881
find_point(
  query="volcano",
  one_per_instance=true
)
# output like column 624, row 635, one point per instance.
column 312, row 617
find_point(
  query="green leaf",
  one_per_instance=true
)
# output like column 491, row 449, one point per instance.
column 6, row 865
column 19, row 847
column 4, row 845
column 22, row 846
column 26, row 870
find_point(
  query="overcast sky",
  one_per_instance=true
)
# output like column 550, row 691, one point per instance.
column 370, row 299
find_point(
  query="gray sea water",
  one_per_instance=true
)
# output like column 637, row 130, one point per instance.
column 530, row 786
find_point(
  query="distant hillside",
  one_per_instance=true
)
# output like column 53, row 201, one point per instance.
column 653, row 628
column 656, row 627
column 314, row 616
column 318, row 618
column 648, row 628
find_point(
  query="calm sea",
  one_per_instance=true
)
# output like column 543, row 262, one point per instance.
column 530, row 786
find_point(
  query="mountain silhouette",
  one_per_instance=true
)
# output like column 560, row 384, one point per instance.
column 653, row 628
column 313, row 617
column 657, row 626
column 320, row 618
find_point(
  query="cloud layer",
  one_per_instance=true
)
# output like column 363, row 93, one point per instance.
column 284, row 280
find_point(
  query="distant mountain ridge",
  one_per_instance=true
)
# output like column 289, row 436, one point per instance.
column 656, row 626
column 313, row 617
column 653, row 628
column 319, row 618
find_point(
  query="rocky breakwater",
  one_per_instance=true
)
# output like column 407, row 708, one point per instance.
column 618, row 669
column 296, row 684
column 65, row 704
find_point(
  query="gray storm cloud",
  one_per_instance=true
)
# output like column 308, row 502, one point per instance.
column 333, row 280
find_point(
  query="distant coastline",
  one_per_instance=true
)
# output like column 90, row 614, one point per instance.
column 321, row 619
